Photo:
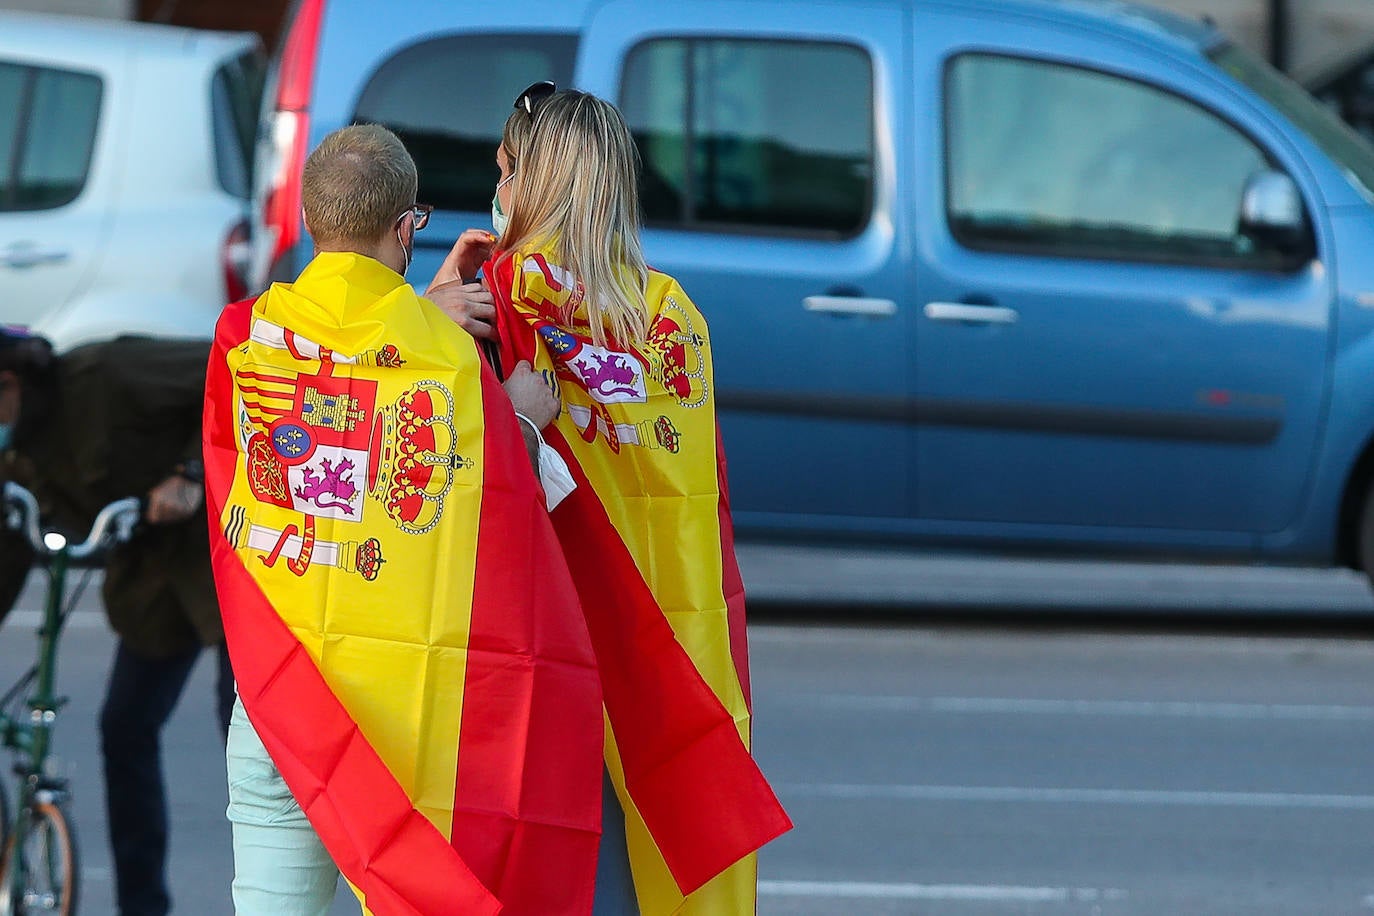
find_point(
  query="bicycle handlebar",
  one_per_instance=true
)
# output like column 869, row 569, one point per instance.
column 114, row 524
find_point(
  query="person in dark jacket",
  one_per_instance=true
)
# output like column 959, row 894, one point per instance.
column 101, row 422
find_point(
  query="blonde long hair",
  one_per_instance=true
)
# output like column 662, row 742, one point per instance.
column 576, row 187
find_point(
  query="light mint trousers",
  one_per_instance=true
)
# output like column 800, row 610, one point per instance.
column 280, row 866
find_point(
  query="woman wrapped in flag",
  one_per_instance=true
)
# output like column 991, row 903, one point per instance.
column 647, row 530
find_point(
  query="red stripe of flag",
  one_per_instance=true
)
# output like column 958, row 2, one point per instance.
column 531, row 737
column 691, row 778
column 732, row 583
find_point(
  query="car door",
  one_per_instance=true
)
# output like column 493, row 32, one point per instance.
column 1101, row 354
column 49, row 228
column 768, row 180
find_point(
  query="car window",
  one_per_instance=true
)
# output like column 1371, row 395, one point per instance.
column 770, row 136
column 1059, row 160
column 236, row 93
column 48, row 169
column 448, row 99
column 13, row 82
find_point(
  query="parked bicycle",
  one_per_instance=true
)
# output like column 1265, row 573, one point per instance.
column 39, row 871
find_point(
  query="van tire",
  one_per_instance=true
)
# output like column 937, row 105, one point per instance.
column 1364, row 545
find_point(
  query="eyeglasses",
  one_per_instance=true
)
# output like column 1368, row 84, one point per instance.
column 421, row 213
column 530, row 100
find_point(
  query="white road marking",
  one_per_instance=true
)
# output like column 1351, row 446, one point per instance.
column 948, row 892
column 1124, row 708
column 1015, row 794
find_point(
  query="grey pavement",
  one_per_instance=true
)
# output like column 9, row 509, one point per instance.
column 991, row 771
column 874, row 576
column 962, row 768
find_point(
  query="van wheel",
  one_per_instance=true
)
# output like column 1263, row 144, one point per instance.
column 1365, row 545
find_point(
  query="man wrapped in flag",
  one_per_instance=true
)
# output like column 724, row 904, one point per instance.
column 415, row 675
column 647, row 530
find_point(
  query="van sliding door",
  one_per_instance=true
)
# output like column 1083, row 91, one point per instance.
column 766, row 134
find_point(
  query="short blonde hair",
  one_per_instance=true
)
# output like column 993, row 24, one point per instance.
column 578, row 189
column 356, row 182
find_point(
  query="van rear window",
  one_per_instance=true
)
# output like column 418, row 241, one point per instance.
column 774, row 137
column 448, row 99
column 236, row 94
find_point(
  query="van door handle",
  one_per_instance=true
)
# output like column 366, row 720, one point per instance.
column 969, row 313
column 20, row 257
column 850, row 305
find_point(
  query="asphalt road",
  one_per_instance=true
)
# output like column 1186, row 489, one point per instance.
column 966, row 767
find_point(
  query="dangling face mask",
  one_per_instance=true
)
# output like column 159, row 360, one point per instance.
column 499, row 219
column 407, row 250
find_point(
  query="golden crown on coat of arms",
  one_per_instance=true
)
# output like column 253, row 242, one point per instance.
column 416, row 456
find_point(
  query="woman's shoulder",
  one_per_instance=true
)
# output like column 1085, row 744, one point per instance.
column 664, row 291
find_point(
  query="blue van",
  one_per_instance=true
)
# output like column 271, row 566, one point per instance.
column 1066, row 275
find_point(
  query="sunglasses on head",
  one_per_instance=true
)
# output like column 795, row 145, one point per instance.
column 530, row 100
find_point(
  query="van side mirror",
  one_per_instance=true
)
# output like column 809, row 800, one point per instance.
column 1272, row 213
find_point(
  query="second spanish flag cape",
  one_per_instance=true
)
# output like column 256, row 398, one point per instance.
column 403, row 628
column 648, row 537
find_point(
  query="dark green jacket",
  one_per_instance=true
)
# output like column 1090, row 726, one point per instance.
column 127, row 413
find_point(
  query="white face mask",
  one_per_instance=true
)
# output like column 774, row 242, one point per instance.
column 499, row 219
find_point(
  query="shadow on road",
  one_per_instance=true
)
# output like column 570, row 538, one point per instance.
column 1049, row 619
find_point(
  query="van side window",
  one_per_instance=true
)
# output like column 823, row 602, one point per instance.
column 1062, row 161
column 448, row 99
column 768, row 136
column 47, row 132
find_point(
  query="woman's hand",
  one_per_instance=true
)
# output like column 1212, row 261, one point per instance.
column 465, row 258
column 469, row 304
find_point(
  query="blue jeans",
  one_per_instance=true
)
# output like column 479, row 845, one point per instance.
column 615, row 889
column 139, row 699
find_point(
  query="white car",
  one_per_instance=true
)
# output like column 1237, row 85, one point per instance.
column 125, row 161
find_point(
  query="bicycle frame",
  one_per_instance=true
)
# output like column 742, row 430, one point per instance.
column 42, row 791
column 33, row 738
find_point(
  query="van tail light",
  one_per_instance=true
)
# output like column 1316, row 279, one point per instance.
column 290, row 130
column 236, row 257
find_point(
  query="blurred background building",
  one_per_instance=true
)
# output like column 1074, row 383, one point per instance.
column 1304, row 37
column 261, row 16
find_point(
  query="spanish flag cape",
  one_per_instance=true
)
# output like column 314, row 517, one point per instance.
column 648, row 537
column 403, row 628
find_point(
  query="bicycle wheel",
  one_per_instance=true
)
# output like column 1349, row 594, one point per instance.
column 4, row 815
column 39, row 872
